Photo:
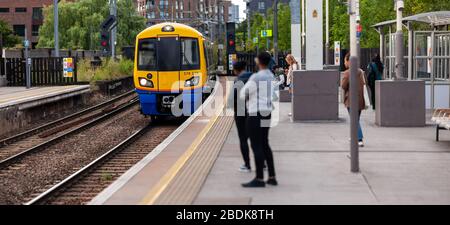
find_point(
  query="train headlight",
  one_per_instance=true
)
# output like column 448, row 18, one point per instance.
column 145, row 83
column 192, row 82
column 168, row 28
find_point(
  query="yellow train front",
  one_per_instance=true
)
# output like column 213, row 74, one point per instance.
column 171, row 69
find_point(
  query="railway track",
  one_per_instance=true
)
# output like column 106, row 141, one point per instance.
column 83, row 185
column 13, row 139
column 39, row 138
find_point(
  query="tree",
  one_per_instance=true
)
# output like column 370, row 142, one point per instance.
column 373, row 12
column 79, row 24
column 261, row 22
column 7, row 35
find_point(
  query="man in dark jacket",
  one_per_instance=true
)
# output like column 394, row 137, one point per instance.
column 240, row 113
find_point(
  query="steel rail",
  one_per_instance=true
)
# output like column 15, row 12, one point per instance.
column 4, row 163
column 43, row 197
column 25, row 134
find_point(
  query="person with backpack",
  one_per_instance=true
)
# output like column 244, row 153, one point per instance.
column 374, row 72
column 240, row 113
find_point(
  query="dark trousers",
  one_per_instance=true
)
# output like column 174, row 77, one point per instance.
column 241, row 124
column 259, row 138
column 372, row 93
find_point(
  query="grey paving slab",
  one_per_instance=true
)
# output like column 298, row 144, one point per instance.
column 398, row 166
column 26, row 98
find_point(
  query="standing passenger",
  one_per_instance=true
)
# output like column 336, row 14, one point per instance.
column 345, row 84
column 260, row 92
column 293, row 65
column 374, row 72
column 240, row 113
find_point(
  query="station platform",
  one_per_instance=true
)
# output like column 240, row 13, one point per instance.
column 198, row 164
column 35, row 96
column 398, row 166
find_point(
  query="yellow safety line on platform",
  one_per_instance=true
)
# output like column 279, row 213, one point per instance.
column 159, row 188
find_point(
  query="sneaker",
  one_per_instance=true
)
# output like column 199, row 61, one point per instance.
column 272, row 181
column 245, row 169
column 255, row 183
column 361, row 144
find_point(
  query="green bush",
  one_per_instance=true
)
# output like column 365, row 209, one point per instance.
column 109, row 70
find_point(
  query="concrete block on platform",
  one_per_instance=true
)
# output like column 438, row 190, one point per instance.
column 315, row 96
column 316, row 82
column 315, row 108
column 285, row 96
column 3, row 81
column 400, row 103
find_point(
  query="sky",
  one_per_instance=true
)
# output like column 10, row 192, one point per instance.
column 242, row 7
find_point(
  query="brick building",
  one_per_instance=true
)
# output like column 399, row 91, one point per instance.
column 201, row 14
column 21, row 14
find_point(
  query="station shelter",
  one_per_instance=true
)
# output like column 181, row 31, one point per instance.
column 427, row 53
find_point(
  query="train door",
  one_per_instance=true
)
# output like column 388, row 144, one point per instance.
column 168, row 64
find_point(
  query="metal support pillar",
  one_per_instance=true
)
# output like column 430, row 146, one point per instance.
column 55, row 27
column 354, row 88
column 275, row 30
column 27, row 61
column 327, row 33
column 410, row 51
column 399, row 46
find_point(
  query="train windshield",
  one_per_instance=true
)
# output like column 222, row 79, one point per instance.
column 147, row 54
column 158, row 54
column 168, row 60
column 190, row 58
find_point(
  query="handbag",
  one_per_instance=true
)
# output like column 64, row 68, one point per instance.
column 366, row 92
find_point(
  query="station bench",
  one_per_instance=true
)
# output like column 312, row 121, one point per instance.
column 441, row 117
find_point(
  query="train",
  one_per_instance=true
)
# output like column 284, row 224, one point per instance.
column 173, row 70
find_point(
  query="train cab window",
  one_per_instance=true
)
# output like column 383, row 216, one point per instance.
column 190, row 54
column 167, row 59
column 147, row 54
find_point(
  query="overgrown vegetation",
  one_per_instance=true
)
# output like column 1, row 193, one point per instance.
column 109, row 70
column 372, row 12
column 7, row 35
column 79, row 24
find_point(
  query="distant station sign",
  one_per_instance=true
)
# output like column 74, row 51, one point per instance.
column 68, row 67
column 255, row 40
column 266, row 33
column 26, row 43
column 337, row 53
column 231, row 59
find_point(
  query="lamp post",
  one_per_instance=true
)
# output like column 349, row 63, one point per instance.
column 275, row 30
column 327, row 35
column 247, row 11
column 303, row 45
column 55, row 24
column 354, row 86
